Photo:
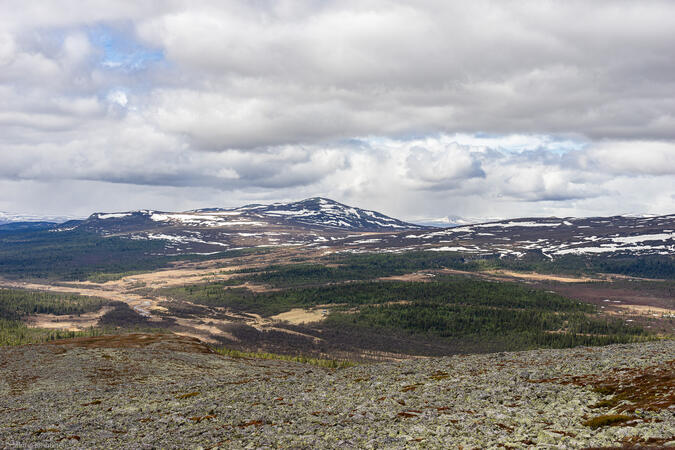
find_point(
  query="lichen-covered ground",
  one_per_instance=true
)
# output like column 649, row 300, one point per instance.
column 167, row 391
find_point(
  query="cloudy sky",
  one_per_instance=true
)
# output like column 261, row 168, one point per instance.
column 420, row 109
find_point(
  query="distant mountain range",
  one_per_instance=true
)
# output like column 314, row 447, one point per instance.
column 7, row 218
column 323, row 223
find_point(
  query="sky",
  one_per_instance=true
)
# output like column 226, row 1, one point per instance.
column 422, row 110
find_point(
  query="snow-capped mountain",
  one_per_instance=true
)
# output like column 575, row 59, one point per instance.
column 551, row 237
column 6, row 217
column 325, row 224
column 314, row 212
column 454, row 221
column 314, row 222
column 323, row 212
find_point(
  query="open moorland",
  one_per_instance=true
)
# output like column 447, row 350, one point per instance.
column 160, row 390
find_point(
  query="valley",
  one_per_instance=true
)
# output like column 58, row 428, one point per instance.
column 302, row 278
column 654, row 312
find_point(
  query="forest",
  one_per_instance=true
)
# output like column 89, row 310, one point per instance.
column 507, row 315
column 342, row 267
column 73, row 255
column 16, row 304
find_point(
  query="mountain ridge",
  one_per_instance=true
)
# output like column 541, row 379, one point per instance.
column 313, row 212
column 322, row 223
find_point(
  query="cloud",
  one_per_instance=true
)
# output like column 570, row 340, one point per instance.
column 630, row 158
column 410, row 178
column 378, row 68
column 445, row 167
column 480, row 108
column 118, row 97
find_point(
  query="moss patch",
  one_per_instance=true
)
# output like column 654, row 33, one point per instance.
column 607, row 420
column 649, row 388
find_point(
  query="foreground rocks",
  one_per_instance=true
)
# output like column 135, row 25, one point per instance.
column 168, row 391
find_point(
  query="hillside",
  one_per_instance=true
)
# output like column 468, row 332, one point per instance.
column 167, row 391
column 319, row 222
column 550, row 237
column 607, row 244
column 315, row 212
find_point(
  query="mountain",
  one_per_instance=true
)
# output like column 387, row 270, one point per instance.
column 27, row 226
column 316, row 212
column 454, row 221
column 326, row 224
column 311, row 222
column 550, row 237
column 6, row 218
column 323, row 212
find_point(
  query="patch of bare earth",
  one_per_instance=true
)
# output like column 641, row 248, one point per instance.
column 416, row 276
column 205, row 329
column 137, row 302
column 654, row 311
column 644, row 310
column 69, row 322
column 297, row 316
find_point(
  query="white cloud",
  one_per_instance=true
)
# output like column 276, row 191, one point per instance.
column 7, row 48
column 409, row 178
column 443, row 167
column 630, row 157
column 418, row 108
column 118, row 97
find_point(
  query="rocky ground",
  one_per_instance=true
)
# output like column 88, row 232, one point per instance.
column 166, row 391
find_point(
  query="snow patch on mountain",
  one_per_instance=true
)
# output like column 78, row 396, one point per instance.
column 318, row 211
column 206, row 219
column 645, row 238
column 518, row 224
column 112, row 216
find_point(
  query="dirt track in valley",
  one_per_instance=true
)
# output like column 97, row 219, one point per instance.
column 540, row 276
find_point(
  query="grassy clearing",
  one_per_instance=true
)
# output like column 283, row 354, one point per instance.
column 102, row 277
column 319, row 362
column 16, row 304
column 14, row 332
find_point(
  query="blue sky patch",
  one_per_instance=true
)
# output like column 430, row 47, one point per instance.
column 121, row 51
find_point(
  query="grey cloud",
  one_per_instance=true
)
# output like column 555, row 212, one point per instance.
column 498, row 66
column 406, row 178
column 279, row 100
column 245, row 75
column 443, row 169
